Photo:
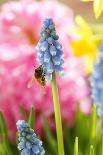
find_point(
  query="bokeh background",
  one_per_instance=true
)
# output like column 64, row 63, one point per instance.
column 20, row 25
column 84, row 9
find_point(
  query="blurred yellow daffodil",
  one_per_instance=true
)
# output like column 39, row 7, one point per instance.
column 97, row 6
column 86, row 43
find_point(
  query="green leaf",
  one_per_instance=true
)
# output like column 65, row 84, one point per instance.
column 2, row 150
column 81, row 130
column 102, row 147
column 68, row 140
column 49, row 135
column 23, row 112
column 76, row 146
column 3, row 124
column 93, row 124
column 6, row 145
column 98, row 7
column 91, row 150
column 31, row 120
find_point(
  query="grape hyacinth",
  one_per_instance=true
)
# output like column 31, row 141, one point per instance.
column 97, row 83
column 29, row 143
column 50, row 53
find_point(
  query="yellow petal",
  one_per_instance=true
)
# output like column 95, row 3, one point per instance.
column 82, row 48
column 78, row 32
column 90, row 60
column 89, row 65
column 98, row 7
column 84, row 26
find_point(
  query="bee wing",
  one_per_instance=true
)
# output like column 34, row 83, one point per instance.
column 42, row 90
column 31, row 82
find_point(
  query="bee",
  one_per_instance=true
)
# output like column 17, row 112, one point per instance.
column 39, row 76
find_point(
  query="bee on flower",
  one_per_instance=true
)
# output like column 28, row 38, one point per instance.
column 50, row 54
column 39, row 76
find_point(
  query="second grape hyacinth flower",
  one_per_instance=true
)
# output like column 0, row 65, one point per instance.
column 29, row 143
column 97, row 82
column 50, row 53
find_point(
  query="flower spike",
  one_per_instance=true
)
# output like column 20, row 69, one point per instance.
column 50, row 53
column 29, row 143
column 97, row 82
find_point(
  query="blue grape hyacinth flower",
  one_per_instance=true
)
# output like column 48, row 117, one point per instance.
column 50, row 53
column 97, row 82
column 29, row 144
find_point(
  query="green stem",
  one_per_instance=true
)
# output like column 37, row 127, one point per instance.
column 57, row 116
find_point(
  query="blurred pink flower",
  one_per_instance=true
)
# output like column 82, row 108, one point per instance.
column 20, row 24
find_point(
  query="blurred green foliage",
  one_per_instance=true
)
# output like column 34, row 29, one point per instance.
column 88, row 140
